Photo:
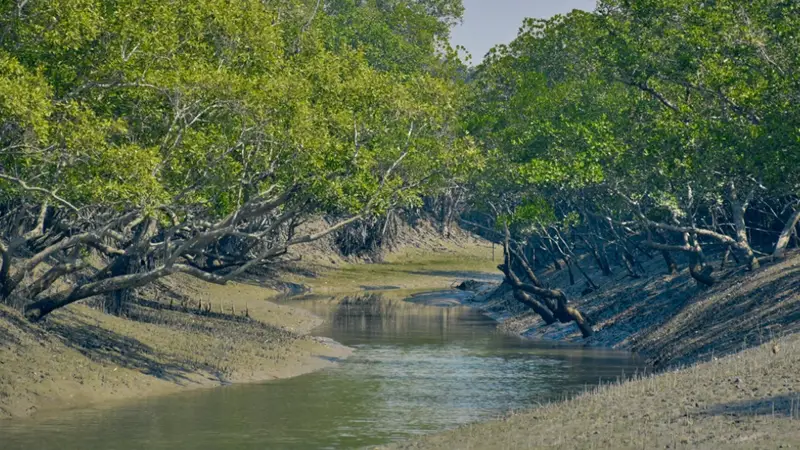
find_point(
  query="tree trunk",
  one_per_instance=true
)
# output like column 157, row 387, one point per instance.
column 573, row 258
column 115, row 302
column 630, row 263
column 446, row 211
column 725, row 257
column 702, row 274
column 46, row 280
column 585, row 275
column 565, row 254
column 38, row 229
column 697, row 267
column 672, row 266
column 531, row 255
column 786, row 235
column 5, row 260
column 738, row 208
column 596, row 256
column 133, row 261
column 37, row 310
column 140, row 250
column 569, row 269
column 549, row 251
column 557, row 300
column 544, row 312
column 599, row 256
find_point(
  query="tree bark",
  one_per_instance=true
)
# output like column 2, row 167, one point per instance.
column 39, row 309
column 672, row 266
column 4, row 270
column 600, row 260
column 569, row 270
column 38, row 229
column 725, row 257
column 702, row 274
column 738, row 208
column 630, row 262
column 573, row 259
column 697, row 267
column 526, row 266
column 46, row 280
column 130, row 263
column 786, row 235
column 565, row 257
column 552, row 254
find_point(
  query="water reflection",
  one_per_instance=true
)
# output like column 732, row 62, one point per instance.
column 369, row 313
column 419, row 368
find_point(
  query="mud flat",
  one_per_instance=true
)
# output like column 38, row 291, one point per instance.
column 181, row 334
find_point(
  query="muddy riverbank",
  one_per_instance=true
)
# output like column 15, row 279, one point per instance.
column 667, row 319
column 727, row 356
column 423, row 364
column 182, row 333
column 82, row 357
column 744, row 401
column 725, row 359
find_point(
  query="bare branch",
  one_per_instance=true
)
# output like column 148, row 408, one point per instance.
column 27, row 187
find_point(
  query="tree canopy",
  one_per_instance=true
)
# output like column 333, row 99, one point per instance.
column 661, row 124
column 664, row 105
column 197, row 136
column 219, row 120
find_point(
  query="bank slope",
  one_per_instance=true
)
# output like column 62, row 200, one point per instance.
column 726, row 359
column 167, row 343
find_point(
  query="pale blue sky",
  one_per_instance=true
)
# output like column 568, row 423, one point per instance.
column 491, row 22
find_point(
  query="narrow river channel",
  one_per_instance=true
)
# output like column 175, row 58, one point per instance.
column 421, row 365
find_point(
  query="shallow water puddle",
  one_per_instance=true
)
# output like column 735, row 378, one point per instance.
column 420, row 366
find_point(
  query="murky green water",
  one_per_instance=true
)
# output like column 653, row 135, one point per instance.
column 419, row 367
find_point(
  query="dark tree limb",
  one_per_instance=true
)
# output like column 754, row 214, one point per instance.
column 556, row 309
column 786, row 234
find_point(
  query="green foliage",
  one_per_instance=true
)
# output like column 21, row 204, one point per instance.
column 205, row 103
column 24, row 100
column 395, row 35
column 663, row 102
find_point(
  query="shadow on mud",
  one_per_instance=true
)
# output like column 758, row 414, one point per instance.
column 103, row 345
column 782, row 405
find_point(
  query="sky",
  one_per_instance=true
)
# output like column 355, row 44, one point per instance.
column 491, row 22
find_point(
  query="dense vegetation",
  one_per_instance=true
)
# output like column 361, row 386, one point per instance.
column 197, row 136
column 668, row 125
